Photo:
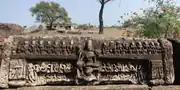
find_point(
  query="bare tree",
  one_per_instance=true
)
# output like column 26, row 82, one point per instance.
column 102, row 2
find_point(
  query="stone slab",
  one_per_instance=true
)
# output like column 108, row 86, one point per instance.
column 37, row 61
column 102, row 87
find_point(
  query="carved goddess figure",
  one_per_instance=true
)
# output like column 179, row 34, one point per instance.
column 87, row 63
column 32, row 75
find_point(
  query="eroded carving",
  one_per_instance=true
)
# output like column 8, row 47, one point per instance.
column 118, row 67
column 55, row 60
column 125, row 47
column 87, row 64
column 167, row 61
column 45, row 72
column 16, row 70
column 123, row 72
column 31, row 73
column 39, row 46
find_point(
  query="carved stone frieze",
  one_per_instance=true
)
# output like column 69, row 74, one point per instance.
column 126, row 47
column 82, row 60
column 45, row 47
column 68, row 46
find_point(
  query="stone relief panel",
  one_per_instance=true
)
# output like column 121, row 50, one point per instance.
column 87, row 64
column 47, row 72
column 68, row 46
column 93, row 62
column 124, row 71
column 42, row 47
column 132, row 47
column 17, row 69
column 157, row 70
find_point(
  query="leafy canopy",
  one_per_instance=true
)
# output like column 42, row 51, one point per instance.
column 50, row 13
column 162, row 20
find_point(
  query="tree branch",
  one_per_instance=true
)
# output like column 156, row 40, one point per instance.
column 100, row 1
column 106, row 1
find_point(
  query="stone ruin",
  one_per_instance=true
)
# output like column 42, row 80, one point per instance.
column 34, row 61
column 7, row 29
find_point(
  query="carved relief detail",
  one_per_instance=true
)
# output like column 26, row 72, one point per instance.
column 118, row 67
column 123, row 72
column 40, row 46
column 157, row 73
column 120, row 77
column 45, row 72
column 167, row 61
column 17, row 70
column 131, row 47
column 87, row 64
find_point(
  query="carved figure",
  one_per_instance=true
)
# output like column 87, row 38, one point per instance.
column 118, row 47
column 63, row 47
column 111, row 47
column 145, row 47
column 26, row 48
column 87, row 63
column 125, row 47
column 42, row 47
column 141, row 75
column 32, row 75
column 104, row 48
column 133, row 49
column 56, row 47
column 71, row 47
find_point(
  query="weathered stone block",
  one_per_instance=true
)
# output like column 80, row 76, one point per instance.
column 32, row 61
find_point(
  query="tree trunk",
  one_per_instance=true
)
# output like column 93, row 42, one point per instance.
column 51, row 26
column 101, row 18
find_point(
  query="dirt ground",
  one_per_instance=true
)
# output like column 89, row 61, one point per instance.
column 113, row 33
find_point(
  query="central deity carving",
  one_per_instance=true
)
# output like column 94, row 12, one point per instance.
column 87, row 64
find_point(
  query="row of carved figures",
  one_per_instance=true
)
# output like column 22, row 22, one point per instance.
column 110, row 47
column 46, row 48
column 131, row 48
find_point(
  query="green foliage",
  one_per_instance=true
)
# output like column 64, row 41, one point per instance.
column 85, row 26
column 50, row 13
column 156, row 22
column 113, row 26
